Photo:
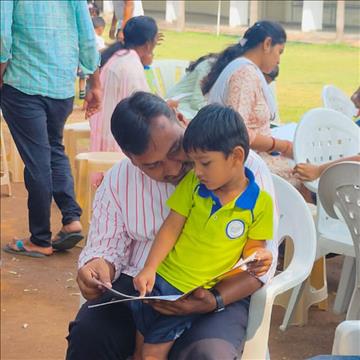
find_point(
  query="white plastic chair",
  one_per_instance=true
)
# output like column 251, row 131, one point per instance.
column 167, row 73
column 339, row 189
column 333, row 98
column 297, row 223
column 325, row 135
column 346, row 341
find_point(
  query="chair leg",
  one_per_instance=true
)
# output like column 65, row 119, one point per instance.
column 353, row 312
column 293, row 301
column 346, row 282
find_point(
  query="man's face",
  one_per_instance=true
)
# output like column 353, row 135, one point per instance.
column 165, row 159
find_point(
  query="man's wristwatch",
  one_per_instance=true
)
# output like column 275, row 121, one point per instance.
column 219, row 301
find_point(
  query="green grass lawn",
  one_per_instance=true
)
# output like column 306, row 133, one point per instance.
column 304, row 68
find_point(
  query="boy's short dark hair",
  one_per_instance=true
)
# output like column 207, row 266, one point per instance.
column 132, row 119
column 216, row 128
column 98, row 21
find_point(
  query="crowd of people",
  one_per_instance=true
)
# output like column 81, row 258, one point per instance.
column 193, row 195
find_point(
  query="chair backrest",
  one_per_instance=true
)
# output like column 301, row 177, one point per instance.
column 335, row 99
column 324, row 135
column 167, row 73
column 295, row 221
column 339, row 192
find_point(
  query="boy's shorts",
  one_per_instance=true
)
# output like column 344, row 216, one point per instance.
column 155, row 327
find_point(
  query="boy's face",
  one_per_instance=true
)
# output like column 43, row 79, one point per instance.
column 99, row 30
column 213, row 168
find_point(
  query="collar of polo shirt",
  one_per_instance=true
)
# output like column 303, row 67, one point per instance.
column 246, row 200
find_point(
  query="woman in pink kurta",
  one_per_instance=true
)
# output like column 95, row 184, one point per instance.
column 121, row 74
column 236, row 79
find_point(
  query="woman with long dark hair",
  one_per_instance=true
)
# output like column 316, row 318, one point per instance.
column 121, row 74
column 236, row 79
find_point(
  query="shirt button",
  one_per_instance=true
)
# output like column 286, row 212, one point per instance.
column 215, row 217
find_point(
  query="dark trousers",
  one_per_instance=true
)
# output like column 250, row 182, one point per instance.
column 108, row 332
column 36, row 124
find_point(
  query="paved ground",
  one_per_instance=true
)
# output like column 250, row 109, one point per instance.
column 40, row 296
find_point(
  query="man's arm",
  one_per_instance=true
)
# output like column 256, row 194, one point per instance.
column 127, row 14
column 93, row 97
column 6, row 14
column 108, row 244
column 113, row 27
column 89, row 57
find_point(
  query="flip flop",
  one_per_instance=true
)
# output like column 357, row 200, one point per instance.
column 67, row 241
column 22, row 251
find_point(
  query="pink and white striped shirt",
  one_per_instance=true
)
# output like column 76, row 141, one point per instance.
column 129, row 209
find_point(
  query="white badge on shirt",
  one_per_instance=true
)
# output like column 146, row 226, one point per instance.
column 235, row 228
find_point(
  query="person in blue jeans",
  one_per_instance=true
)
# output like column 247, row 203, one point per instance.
column 218, row 214
column 42, row 43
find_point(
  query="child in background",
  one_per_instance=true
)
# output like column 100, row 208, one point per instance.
column 99, row 27
column 218, row 214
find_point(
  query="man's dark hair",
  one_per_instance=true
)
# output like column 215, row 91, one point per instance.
column 132, row 117
column 98, row 21
column 216, row 128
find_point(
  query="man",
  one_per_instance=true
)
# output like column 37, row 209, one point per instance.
column 42, row 43
column 129, row 208
column 123, row 11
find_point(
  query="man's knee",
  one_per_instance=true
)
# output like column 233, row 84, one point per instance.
column 209, row 349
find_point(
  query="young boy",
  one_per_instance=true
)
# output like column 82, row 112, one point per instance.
column 99, row 27
column 218, row 214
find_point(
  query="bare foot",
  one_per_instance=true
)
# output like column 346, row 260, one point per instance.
column 29, row 246
column 74, row 226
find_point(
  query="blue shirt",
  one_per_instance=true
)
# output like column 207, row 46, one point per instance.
column 44, row 42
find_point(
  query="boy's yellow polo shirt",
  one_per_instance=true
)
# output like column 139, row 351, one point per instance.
column 213, row 236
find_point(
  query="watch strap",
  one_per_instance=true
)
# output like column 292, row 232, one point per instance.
column 219, row 300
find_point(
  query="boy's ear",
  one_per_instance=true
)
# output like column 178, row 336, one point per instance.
column 239, row 154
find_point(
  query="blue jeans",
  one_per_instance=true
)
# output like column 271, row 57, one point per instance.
column 36, row 124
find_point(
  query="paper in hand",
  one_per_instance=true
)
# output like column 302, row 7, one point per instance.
column 239, row 267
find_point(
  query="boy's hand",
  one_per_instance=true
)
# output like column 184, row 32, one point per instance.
column 307, row 172
column 262, row 264
column 144, row 281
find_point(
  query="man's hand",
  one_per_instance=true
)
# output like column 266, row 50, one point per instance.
column 201, row 301
column 2, row 72
column 144, row 281
column 92, row 101
column 263, row 262
column 93, row 272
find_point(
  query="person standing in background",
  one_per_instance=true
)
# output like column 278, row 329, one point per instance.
column 42, row 44
column 123, row 11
